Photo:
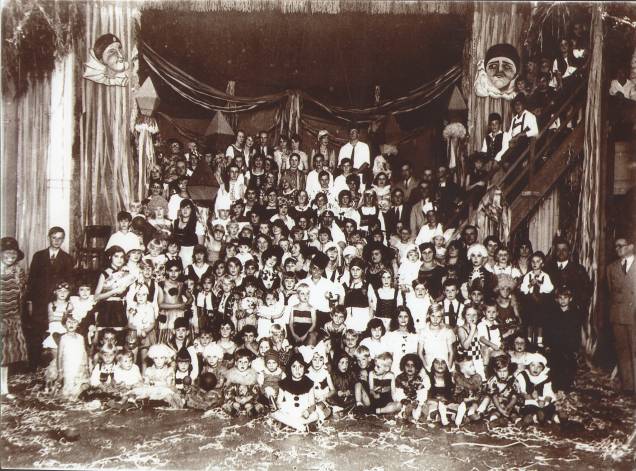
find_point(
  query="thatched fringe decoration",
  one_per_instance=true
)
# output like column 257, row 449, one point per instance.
column 330, row 7
column 589, row 227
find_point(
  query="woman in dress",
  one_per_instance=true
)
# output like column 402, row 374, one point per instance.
column 12, row 284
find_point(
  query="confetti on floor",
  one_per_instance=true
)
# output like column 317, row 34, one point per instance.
column 599, row 434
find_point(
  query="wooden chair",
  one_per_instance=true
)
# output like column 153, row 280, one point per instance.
column 90, row 254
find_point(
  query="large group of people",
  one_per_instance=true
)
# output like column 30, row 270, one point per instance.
column 317, row 282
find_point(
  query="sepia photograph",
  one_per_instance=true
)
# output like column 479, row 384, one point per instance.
column 365, row 235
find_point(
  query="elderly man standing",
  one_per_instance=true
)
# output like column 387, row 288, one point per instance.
column 621, row 280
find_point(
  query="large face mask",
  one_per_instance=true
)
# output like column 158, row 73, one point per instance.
column 113, row 58
column 501, row 71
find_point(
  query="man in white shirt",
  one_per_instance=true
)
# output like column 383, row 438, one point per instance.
column 522, row 127
column 622, row 87
column 356, row 150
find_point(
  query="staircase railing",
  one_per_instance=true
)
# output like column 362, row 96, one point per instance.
column 522, row 170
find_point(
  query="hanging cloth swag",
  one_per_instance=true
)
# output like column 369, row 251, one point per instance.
column 214, row 99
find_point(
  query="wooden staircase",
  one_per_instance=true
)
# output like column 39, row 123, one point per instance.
column 548, row 157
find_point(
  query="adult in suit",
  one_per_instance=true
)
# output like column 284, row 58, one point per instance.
column 399, row 213
column 48, row 268
column 564, row 271
column 449, row 195
column 408, row 183
column 621, row 280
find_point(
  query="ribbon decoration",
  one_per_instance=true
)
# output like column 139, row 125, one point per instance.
column 213, row 99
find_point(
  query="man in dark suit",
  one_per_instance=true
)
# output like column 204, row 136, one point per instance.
column 566, row 272
column 449, row 195
column 48, row 268
column 400, row 212
column 408, row 183
column 621, row 280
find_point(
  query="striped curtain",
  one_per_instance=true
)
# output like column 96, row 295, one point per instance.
column 589, row 227
column 544, row 223
column 107, row 154
column 493, row 23
column 33, row 114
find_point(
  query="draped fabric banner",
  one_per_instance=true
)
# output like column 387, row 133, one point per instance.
column 544, row 223
column 34, row 111
column 107, row 156
column 588, row 242
column 493, row 23
column 213, row 99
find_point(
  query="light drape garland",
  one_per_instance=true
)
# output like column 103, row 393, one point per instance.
column 588, row 229
column 331, row 7
column 60, row 158
column 34, row 108
column 493, row 23
column 544, row 223
column 107, row 156
column 145, row 129
column 214, row 99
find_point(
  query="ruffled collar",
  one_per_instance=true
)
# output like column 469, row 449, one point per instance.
column 302, row 386
column 96, row 71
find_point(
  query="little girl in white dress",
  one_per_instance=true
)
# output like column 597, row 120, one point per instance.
column 72, row 360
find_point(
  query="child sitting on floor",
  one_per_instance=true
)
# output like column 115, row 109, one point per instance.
column 382, row 386
column 344, row 383
column 126, row 373
column 467, row 390
column 269, row 378
column 296, row 402
column 241, row 391
column 535, row 386
column 318, row 372
column 441, row 391
column 411, row 387
column 500, row 397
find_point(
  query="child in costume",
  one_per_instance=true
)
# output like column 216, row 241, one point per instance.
column 241, row 391
column 184, row 371
column 59, row 309
column 412, row 386
column 317, row 371
column 270, row 377
column 467, row 390
column 296, row 402
column 500, row 399
column 469, row 344
column 440, row 394
column 142, row 319
column 126, row 373
column 344, row 382
column 72, row 361
column 535, row 386
column 383, row 398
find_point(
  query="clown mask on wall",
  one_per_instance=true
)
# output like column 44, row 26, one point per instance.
column 496, row 74
column 106, row 62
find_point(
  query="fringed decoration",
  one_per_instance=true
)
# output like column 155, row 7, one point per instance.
column 329, row 7
column 588, row 243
